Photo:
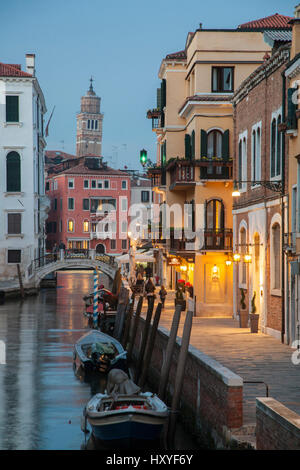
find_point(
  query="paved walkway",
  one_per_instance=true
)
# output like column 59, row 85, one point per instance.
column 254, row 357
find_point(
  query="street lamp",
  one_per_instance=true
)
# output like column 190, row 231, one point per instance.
column 272, row 185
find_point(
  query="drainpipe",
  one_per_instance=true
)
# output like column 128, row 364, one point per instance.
column 283, row 212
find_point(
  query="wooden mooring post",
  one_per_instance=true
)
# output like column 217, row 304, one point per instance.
column 185, row 341
column 144, row 340
column 132, row 336
column 164, row 375
column 128, row 319
column 121, row 308
column 150, row 345
column 20, row 282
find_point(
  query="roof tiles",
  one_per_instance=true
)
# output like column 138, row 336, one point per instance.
column 272, row 21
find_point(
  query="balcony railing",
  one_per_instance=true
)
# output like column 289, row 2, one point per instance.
column 216, row 169
column 182, row 172
column 157, row 175
column 217, row 239
column 155, row 115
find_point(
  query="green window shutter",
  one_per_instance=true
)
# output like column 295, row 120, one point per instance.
column 163, row 153
column 291, row 117
column 203, row 152
column 12, row 109
column 163, row 93
column 193, row 145
column 158, row 101
column 187, row 145
column 225, row 145
column 13, row 172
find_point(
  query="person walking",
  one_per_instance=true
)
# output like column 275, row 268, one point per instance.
column 163, row 294
column 150, row 291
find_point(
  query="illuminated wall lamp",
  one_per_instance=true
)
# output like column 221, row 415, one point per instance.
column 183, row 268
column 236, row 257
column 235, row 192
column 228, row 262
column 247, row 259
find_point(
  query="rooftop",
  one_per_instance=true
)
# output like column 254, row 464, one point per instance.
column 12, row 70
column 273, row 21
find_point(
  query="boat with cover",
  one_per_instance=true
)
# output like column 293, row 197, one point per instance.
column 99, row 352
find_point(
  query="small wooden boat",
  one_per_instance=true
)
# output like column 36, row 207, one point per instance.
column 97, row 352
column 126, row 418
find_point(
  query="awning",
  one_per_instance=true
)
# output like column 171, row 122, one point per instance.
column 142, row 257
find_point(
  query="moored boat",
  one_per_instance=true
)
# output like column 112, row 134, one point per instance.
column 97, row 352
column 127, row 418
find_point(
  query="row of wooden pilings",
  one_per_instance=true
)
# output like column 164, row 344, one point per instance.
column 125, row 331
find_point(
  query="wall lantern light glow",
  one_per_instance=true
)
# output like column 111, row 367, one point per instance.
column 236, row 257
column 215, row 273
column 228, row 262
column 183, row 268
column 247, row 258
column 235, row 192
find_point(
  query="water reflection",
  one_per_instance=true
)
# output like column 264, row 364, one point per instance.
column 41, row 396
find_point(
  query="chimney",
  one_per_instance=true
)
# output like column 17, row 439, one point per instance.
column 30, row 64
column 295, row 22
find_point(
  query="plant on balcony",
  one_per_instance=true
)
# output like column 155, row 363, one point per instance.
column 243, row 313
column 254, row 317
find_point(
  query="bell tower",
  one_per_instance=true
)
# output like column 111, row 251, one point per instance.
column 89, row 125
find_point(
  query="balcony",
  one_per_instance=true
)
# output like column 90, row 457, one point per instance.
column 156, row 116
column 182, row 174
column 181, row 244
column 217, row 239
column 157, row 175
column 215, row 169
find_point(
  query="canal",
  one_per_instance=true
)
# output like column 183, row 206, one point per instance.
column 41, row 396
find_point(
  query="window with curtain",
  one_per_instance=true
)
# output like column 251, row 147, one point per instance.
column 13, row 172
column 243, row 266
column 214, row 144
column 86, row 226
column 215, row 215
column 276, row 256
column 70, row 225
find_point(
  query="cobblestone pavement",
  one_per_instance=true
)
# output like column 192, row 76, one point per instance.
column 254, row 357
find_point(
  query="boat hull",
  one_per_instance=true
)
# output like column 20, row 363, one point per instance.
column 130, row 429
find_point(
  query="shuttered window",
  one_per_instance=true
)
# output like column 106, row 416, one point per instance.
column 13, row 172
column 13, row 224
column 187, row 145
column 14, row 256
column 12, row 109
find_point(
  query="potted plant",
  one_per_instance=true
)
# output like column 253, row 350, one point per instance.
column 243, row 311
column 254, row 317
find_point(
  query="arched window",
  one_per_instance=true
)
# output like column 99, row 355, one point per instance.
column 214, row 144
column 273, row 148
column 13, row 172
column 275, row 254
column 215, row 215
column 243, row 266
column 70, row 225
column 278, row 149
column 86, row 226
column 100, row 249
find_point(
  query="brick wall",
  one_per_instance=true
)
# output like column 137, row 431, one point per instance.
column 212, row 395
column 277, row 427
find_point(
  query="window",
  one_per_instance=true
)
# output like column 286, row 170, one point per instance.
column 55, row 204
column 70, row 225
column 47, row 186
column 123, row 204
column 113, row 244
column 86, row 184
column 124, row 226
column 124, row 184
column 276, row 146
column 61, row 203
column 96, row 124
column 242, row 161
column 256, row 153
column 86, row 226
column 85, row 204
column 89, row 124
column 12, row 109
column 94, row 184
column 124, row 244
column 222, row 79
column 70, row 204
column 214, row 144
column 106, row 184
column 14, row 256
column 60, row 225
column 214, row 215
column 145, row 196
column 13, row 172
column 85, row 244
column 71, row 183
column 13, row 224
column 275, row 253
column 99, row 184
column 243, row 266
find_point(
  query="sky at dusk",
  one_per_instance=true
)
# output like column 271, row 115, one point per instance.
column 121, row 44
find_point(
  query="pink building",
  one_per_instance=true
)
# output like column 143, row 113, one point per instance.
column 89, row 206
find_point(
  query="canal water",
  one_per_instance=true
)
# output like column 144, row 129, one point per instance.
column 41, row 395
column 41, row 398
